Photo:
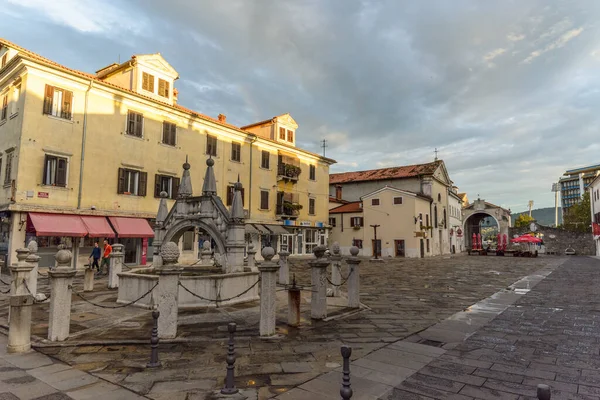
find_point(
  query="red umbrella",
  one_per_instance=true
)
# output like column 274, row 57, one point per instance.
column 526, row 239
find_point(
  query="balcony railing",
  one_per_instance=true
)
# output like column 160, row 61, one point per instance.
column 288, row 171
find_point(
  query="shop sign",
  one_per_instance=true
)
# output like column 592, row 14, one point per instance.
column 319, row 224
column 305, row 223
column 289, row 222
column 459, row 232
column 43, row 195
column 419, row 234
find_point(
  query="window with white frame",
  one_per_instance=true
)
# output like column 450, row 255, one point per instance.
column 169, row 135
column 397, row 200
column 332, row 221
column 135, row 124
column 58, row 102
column 55, row 171
column 132, row 182
column 311, row 240
column 167, row 184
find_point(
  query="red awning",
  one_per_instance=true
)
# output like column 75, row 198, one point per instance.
column 97, row 227
column 131, row 227
column 57, row 225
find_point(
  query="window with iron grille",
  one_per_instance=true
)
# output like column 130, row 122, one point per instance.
column 169, row 135
column 8, row 170
column 264, row 199
column 135, row 124
column 132, row 182
column 55, row 171
column 211, row 145
column 311, row 206
column 236, row 151
column 148, row 82
column 265, row 159
column 168, row 184
column 312, row 173
column 163, row 88
column 58, row 102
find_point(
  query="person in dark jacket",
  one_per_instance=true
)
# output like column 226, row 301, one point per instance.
column 95, row 256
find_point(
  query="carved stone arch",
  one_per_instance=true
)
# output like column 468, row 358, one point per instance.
column 176, row 230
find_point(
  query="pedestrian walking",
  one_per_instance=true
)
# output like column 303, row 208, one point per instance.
column 105, row 258
column 95, row 256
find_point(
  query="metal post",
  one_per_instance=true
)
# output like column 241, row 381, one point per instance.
column 154, row 361
column 375, row 242
column 346, row 390
column 543, row 392
column 294, row 304
column 230, row 378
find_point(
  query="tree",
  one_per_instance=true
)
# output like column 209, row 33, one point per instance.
column 578, row 217
column 523, row 220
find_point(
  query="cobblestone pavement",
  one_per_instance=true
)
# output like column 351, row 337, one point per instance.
column 404, row 296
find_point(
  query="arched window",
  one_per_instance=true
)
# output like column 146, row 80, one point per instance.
column 445, row 222
column 440, row 197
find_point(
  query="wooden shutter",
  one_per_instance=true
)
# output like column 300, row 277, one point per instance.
column 175, row 188
column 145, row 84
column 45, row 170
column 142, row 183
column 139, row 123
column 351, row 221
column 173, row 135
column 67, row 104
column 61, row 172
column 230, row 195
column 166, row 89
column 48, row 96
column 282, row 133
column 361, row 221
column 264, row 200
column 157, row 185
column 121, row 181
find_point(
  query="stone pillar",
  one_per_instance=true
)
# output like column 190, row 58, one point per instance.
column 284, row 268
column 167, row 291
column 336, row 264
column 115, row 265
column 75, row 256
column 61, row 279
column 318, row 302
column 88, row 279
column 34, row 260
column 353, row 278
column 252, row 257
column 206, row 254
column 268, row 300
column 19, row 326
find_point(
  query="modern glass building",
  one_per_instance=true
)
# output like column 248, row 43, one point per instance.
column 574, row 182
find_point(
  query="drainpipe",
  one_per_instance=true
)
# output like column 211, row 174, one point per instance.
column 253, row 139
column 79, row 192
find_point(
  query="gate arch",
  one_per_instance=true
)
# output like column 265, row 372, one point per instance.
column 482, row 207
column 175, row 231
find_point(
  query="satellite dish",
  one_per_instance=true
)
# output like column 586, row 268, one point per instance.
column 532, row 227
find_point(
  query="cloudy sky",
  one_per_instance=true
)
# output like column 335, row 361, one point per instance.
column 508, row 91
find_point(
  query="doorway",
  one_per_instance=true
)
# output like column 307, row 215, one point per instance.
column 376, row 247
column 399, row 246
column 422, row 248
column 130, row 246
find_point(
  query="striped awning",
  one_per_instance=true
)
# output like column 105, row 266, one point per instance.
column 277, row 229
column 251, row 229
column 262, row 229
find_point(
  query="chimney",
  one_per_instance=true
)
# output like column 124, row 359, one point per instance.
column 222, row 118
column 338, row 192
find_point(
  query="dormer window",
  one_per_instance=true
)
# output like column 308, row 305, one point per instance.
column 282, row 133
column 290, row 136
column 148, row 82
column 163, row 88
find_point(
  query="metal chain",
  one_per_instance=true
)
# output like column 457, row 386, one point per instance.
column 219, row 300
column 7, row 284
column 5, row 292
column 341, row 284
column 33, row 295
column 120, row 305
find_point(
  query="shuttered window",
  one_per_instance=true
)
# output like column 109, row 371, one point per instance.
column 58, row 102
column 282, row 133
column 312, row 175
column 332, row 221
column 8, row 170
column 236, row 151
column 311, row 206
column 148, row 82
column 230, row 193
column 135, row 124
column 169, row 135
column 264, row 199
column 356, row 221
column 265, row 159
column 168, row 184
column 290, row 136
column 55, row 171
column 163, row 88
column 375, row 202
column 211, row 145
column 4, row 107
column 132, row 182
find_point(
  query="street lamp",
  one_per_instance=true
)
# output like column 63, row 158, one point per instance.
column 375, row 241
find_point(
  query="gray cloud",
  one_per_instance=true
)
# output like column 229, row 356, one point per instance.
column 507, row 90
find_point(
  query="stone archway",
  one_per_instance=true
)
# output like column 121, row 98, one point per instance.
column 176, row 230
column 480, row 209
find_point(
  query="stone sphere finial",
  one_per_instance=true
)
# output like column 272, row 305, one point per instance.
column 206, row 245
column 354, row 251
column 335, row 249
column 319, row 251
column 238, row 186
column 22, row 253
column 63, row 256
column 169, row 253
column 32, row 246
column 210, row 162
column 164, row 195
column 186, row 164
column 268, row 253
column 250, row 246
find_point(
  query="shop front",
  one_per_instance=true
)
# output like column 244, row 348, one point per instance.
column 302, row 238
column 135, row 235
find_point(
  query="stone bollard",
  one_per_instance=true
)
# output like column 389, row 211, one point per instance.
column 252, row 257
column 168, row 290
column 61, row 279
column 230, row 377
column 294, row 299
column 34, row 260
column 346, row 390
column 336, row 264
column 268, row 300
column 115, row 265
column 284, row 268
column 543, row 392
column 318, row 302
column 19, row 327
column 353, row 278
column 88, row 279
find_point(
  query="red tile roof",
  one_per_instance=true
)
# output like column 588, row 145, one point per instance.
column 353, row 207
column 407, row 171
column 334, row 200
column 45, row 60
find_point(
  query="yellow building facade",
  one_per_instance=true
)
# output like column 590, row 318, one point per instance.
column 106, row 145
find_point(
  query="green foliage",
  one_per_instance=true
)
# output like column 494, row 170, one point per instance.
column 578, row 217
column 523, row 220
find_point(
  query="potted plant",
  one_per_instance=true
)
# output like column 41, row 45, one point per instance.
column 290, row 208
column 292, row 171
